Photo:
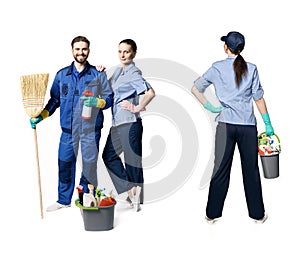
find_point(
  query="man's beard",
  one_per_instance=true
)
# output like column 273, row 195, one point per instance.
column 82, row 59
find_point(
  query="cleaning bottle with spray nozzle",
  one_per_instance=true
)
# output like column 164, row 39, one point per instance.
column 87, row 111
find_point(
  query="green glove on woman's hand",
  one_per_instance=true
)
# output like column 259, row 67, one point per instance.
column 93, row 102
column 212, row 108
column 35, row 120
column 267, row 121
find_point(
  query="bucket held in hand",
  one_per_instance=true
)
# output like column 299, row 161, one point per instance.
column 269, row 149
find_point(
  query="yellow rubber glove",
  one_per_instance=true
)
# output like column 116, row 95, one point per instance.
column 93, row 102
column 101, row 103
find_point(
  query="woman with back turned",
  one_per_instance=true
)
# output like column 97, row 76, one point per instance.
column 236, row 84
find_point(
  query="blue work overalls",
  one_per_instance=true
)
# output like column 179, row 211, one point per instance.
column 66, row 91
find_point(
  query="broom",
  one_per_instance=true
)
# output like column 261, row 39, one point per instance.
column 33, row 89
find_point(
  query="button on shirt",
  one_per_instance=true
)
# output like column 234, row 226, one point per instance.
column 127, row 84
column 237, row 100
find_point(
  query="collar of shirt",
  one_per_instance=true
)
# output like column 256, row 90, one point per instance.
column 231, row 57
column 127, row 68
column 79, row 74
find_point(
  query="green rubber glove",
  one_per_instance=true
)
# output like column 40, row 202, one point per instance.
column 93, row 102
column 34, row 121
column 267, row 121
column 212, row 108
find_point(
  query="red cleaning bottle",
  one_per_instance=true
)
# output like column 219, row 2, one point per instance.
column 80, row 194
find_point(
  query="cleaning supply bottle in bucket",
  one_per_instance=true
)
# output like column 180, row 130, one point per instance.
column 87, row 111
column 80, row 194
column 100, row 195
column 88, row 198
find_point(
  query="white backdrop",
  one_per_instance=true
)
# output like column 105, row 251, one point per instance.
column 36, row 38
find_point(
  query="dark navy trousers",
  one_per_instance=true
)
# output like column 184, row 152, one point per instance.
column 126, row 139
column 227, row 137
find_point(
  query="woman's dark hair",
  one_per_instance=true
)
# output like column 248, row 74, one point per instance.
column 239, row 66
column 131, row 43
column 80, row 39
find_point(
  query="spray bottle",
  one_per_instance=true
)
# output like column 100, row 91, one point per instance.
column 80, row 194
column 87, row 111
column 100, row 195
column 88, row 198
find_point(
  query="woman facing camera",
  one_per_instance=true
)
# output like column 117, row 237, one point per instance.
column 125, row 135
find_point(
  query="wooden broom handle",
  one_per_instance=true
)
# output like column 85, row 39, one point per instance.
column 38, row 171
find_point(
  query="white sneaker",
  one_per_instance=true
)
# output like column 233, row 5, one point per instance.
column 128, row 200
column 57, row 206
column 136, row 199
column 211, row 221
column 262, row 220
column 116, row 196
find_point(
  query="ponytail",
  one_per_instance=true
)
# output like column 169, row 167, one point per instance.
column 240, row 67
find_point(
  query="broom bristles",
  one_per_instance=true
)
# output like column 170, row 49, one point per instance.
column 33, row 89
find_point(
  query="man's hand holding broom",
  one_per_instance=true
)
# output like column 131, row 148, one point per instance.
column 35, row 120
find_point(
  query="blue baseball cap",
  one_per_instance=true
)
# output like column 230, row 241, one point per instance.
column 234, row 40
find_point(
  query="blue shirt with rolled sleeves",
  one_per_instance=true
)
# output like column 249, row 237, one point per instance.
column 127, row 84
column 237, row 100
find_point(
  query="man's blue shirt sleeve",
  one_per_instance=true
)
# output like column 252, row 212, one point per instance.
column 54, row 101
column 106, row 91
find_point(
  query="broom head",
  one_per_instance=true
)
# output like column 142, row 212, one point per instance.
column 33, row 89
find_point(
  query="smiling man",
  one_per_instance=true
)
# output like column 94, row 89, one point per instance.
column 67, row 93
